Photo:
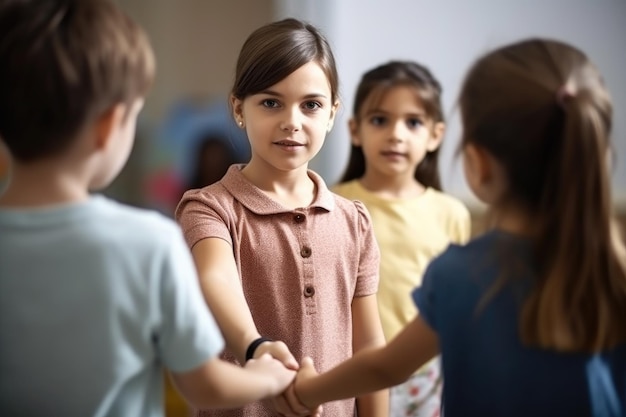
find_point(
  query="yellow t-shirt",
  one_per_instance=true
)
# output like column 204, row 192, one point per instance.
column 410, row 232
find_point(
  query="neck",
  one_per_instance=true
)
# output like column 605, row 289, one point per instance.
column 292, row 188
column 514, row 221
column 41, row 184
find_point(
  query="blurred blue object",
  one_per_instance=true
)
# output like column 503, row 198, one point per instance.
column 189, row 123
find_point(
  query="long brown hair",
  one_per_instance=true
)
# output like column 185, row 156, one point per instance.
column 372, row 87
column 541, row 109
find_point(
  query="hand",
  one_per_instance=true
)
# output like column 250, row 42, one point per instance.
column 278, row 350
column 307, row 370
column 275, row 372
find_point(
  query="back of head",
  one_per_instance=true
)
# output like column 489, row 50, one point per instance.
column 274, row 51
column 374, row 84
column 64, row 63
column 541, row 109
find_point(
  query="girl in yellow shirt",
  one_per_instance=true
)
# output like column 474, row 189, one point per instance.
column 396, row 130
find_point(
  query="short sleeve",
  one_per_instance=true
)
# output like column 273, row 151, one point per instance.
column 369, row 255
column 201, row 217
column 188, row 335
column 425, row 296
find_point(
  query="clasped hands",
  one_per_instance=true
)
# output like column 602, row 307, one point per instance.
column 289, row 402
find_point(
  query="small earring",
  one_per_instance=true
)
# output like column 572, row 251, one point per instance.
column 241, row 123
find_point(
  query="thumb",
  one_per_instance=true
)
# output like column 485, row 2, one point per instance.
column 307, row 367
column 280, row 351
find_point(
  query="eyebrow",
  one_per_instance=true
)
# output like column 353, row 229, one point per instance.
column 277, row 94
column 380, row 111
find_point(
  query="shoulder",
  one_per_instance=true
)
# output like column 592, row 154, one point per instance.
column 211, row 194
column 354, row 215
column 213, row 197
column 468, row 262
column 133, row 218
column 115, row 227
column 350, row 206
column 448, row 204
column 349, row 189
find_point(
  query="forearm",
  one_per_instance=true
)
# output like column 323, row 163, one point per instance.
column 231, row 311
column 220, row 384
column 353, row 378
column 375, row 404
column 223, row 292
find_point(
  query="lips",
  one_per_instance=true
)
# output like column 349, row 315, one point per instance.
column 393, row 153
column 288, row 143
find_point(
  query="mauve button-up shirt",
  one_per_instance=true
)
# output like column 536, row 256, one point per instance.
column 300, row 269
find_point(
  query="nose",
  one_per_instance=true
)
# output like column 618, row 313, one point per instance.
column 292, row 121
column 397, row 131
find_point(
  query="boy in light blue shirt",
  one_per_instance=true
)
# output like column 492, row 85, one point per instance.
column 96, row 298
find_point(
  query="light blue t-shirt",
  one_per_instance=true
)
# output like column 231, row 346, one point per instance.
column 95, row 299
column 487, row 370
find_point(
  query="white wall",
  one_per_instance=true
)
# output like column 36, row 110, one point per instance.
column 447, row 35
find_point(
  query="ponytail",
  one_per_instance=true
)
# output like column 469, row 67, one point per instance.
column 579, row 303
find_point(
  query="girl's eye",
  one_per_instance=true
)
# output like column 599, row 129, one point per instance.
column 377, row 120
column 414, row 123
column 270, row 103
column 312, row 105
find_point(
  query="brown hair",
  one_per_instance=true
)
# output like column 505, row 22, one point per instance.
column 371, row 89
column 275, row 50
column 64, row 63
column 541, row 109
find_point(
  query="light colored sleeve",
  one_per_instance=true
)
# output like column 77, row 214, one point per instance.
column 188, row 335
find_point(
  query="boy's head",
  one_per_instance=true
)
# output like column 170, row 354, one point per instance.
column 65, row 63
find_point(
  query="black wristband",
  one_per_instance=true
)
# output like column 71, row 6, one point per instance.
column 255, row 344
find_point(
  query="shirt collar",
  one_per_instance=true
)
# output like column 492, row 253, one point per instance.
column 258, row 202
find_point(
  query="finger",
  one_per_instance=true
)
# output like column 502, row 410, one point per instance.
column 280, row 351
column 281, row 406
column 294, row 402
column 307, row 367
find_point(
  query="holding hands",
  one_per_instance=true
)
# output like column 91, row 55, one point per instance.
column 285, row 401
column 296, row 394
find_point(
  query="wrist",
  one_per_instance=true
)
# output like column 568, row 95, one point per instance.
column 300, row 392
column 252, row 347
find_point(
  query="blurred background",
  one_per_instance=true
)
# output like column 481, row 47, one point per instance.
column 186, row 135
column 197, row 43
column 186, row 123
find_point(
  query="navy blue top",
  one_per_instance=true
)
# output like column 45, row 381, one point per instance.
column 487, row 370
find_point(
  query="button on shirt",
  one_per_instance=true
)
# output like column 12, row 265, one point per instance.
column 300, row 268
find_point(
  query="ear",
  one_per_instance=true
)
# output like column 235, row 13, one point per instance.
column 237, row 107
column 353, row 126
column 333, row 114
column 108, row 124
column 480, row 162
column 438, row 131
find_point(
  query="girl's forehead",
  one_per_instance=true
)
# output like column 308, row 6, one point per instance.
column 378, row 95
column 309, row 79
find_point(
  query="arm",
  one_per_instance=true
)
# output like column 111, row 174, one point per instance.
column 222, row 290
column 371, row 369
column 219, row 384
column 367, row 333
